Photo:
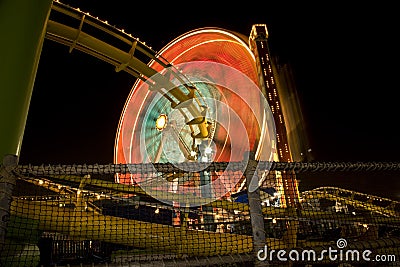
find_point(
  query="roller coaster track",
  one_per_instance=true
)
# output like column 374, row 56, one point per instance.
column 83, row 220
column 129, row 54
column 78, row 194
column 67, row 174
column 381, row 205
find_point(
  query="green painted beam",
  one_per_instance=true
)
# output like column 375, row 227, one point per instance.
column 22, row 27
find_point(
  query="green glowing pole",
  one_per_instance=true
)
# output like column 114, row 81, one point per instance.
column 22, row 29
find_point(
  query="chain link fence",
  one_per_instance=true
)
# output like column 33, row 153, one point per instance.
column 78, row 215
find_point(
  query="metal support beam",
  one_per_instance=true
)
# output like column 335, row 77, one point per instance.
column 256, row 215
column 22, row 27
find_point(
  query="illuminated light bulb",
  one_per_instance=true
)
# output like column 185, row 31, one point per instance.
column 161, row 122
column 157, row 211
column 208, row 150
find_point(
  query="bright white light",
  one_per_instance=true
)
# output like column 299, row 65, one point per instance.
column 157, row 211
column 161, row 122
column 208, row 150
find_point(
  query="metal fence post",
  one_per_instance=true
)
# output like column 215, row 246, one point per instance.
column 7, row 183
column 256, row 216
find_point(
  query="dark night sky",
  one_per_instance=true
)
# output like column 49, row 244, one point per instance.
column 342, row 56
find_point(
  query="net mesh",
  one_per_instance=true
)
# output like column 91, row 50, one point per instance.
column 74, row 215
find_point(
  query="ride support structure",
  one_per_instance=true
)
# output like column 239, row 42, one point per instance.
column 23, row 27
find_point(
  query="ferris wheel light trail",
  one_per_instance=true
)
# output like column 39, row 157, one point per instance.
column 222, row 81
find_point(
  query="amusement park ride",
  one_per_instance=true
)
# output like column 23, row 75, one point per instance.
column 207, row 97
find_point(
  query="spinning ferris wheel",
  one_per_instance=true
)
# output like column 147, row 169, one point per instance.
column 208, row 108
